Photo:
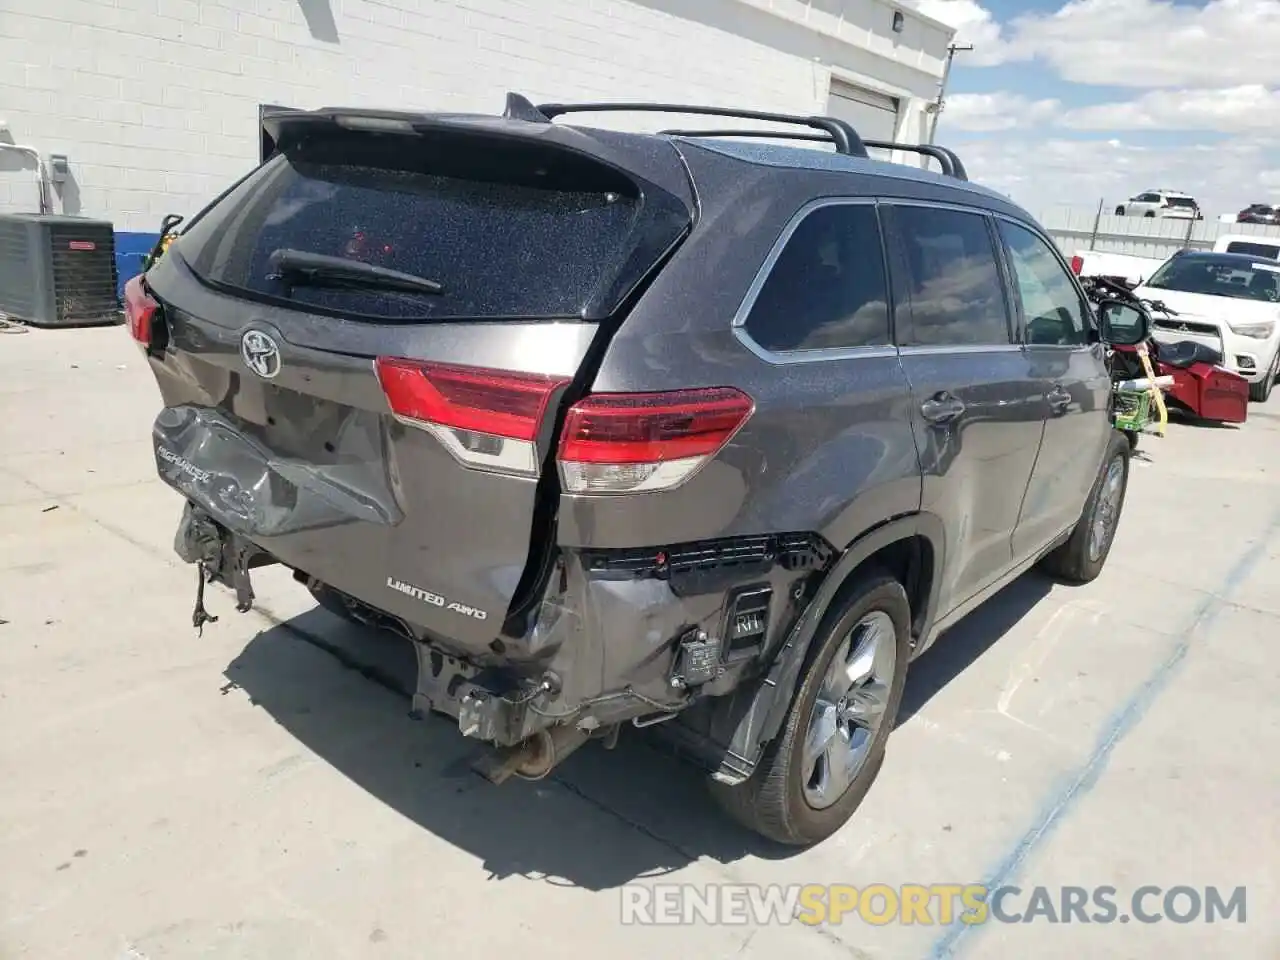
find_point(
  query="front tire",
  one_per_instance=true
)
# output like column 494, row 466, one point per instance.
column 1260, row 392
column 814, row 775
column 1083, row 556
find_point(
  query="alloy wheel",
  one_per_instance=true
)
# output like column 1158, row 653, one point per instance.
column 849, row 709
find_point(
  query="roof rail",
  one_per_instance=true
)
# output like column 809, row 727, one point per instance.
column 951, row 164
column 839, row 132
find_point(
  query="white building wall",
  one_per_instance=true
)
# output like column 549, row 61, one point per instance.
column 155, row 102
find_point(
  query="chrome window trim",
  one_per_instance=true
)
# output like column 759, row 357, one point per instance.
column 925, row 350
column 782, row 357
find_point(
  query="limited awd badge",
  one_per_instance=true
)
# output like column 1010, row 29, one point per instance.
column 260, row 354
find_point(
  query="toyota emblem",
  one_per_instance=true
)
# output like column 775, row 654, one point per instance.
column 260, row 354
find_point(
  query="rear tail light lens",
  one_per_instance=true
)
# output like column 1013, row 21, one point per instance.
column 140, row 309
column 641, row 442
column 1077, row 264
column 488, row 419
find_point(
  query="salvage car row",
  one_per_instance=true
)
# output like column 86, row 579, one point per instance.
column 1225, row 301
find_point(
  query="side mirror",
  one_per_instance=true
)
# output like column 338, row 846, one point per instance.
column 1122, row 323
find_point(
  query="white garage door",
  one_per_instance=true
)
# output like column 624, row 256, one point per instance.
column 873, row 115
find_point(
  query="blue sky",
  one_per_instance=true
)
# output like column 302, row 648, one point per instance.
column 1088, row 100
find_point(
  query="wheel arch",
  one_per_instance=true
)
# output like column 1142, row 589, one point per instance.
column 913, row 549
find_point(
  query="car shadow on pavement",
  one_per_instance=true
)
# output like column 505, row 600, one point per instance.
column 602, row 819
column 953, row 652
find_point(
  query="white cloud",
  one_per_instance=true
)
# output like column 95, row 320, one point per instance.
column 1153, row 43
column 1128, row 43
column 1040, row 172
column 1210, row 66
column 990, row 112
column 974, row 24
column 1233, row 110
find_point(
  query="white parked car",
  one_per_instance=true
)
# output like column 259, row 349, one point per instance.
column 1229, row 302
column 1161, row 203
column 1253, row 246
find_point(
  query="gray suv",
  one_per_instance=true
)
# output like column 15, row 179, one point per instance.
column 694, row 428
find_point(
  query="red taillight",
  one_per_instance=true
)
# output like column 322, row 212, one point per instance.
column 486, row 418
column 139, row 310
column 1077, row 264
column 635, row 442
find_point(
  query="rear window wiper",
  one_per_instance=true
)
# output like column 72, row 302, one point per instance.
column 299, row 267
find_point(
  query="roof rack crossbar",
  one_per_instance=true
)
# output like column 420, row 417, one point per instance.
column 841, row 133
column 951, row 164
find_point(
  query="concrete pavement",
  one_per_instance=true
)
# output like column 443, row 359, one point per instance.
column 261, row 792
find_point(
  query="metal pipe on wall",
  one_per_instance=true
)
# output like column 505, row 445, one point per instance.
column 46, row 199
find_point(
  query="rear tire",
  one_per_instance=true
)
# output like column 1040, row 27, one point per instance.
column 1083, row 556
column 1119, row 211
column 793, row 798
column 1149, row 214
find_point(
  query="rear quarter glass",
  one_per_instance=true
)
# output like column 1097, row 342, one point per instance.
column 525, row 239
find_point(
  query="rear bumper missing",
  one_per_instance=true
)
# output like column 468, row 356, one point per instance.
column 619, row 636
column 634, row 636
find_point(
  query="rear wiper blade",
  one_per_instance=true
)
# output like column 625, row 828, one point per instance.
column 319, row 270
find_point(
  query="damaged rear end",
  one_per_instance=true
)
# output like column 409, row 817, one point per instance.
column 376, row 355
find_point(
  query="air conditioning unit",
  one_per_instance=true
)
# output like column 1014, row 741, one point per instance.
column 57, row 271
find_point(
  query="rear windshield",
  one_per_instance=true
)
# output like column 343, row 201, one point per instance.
column 1269, row 250
column 512, row 234
column 1182, row 202
column 1219, row 276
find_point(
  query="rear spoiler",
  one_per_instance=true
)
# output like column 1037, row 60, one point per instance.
column 266, row 139
column 647, row 162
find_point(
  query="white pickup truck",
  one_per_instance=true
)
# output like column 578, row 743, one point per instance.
column 1091, row 263
column 1254, row 246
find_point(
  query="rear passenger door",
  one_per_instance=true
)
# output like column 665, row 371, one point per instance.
column 1068, row 366
column 832, row 402
column 975, row 412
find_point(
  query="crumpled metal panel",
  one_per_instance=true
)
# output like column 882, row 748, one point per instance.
column 257, row 493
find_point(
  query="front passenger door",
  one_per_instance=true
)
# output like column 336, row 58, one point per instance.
column 1070, row 371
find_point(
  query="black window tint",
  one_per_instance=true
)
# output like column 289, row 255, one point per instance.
column 503, row 242
column 1052, row 307
column 827, row 288
column 951, row 279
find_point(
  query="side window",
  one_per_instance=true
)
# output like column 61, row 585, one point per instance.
column 1054, row 310
column 826, row 290
column 1150, row 198
column 950, row 279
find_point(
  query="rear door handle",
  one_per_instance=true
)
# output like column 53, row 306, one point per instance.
column 1059, row 399
column 942, row 408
